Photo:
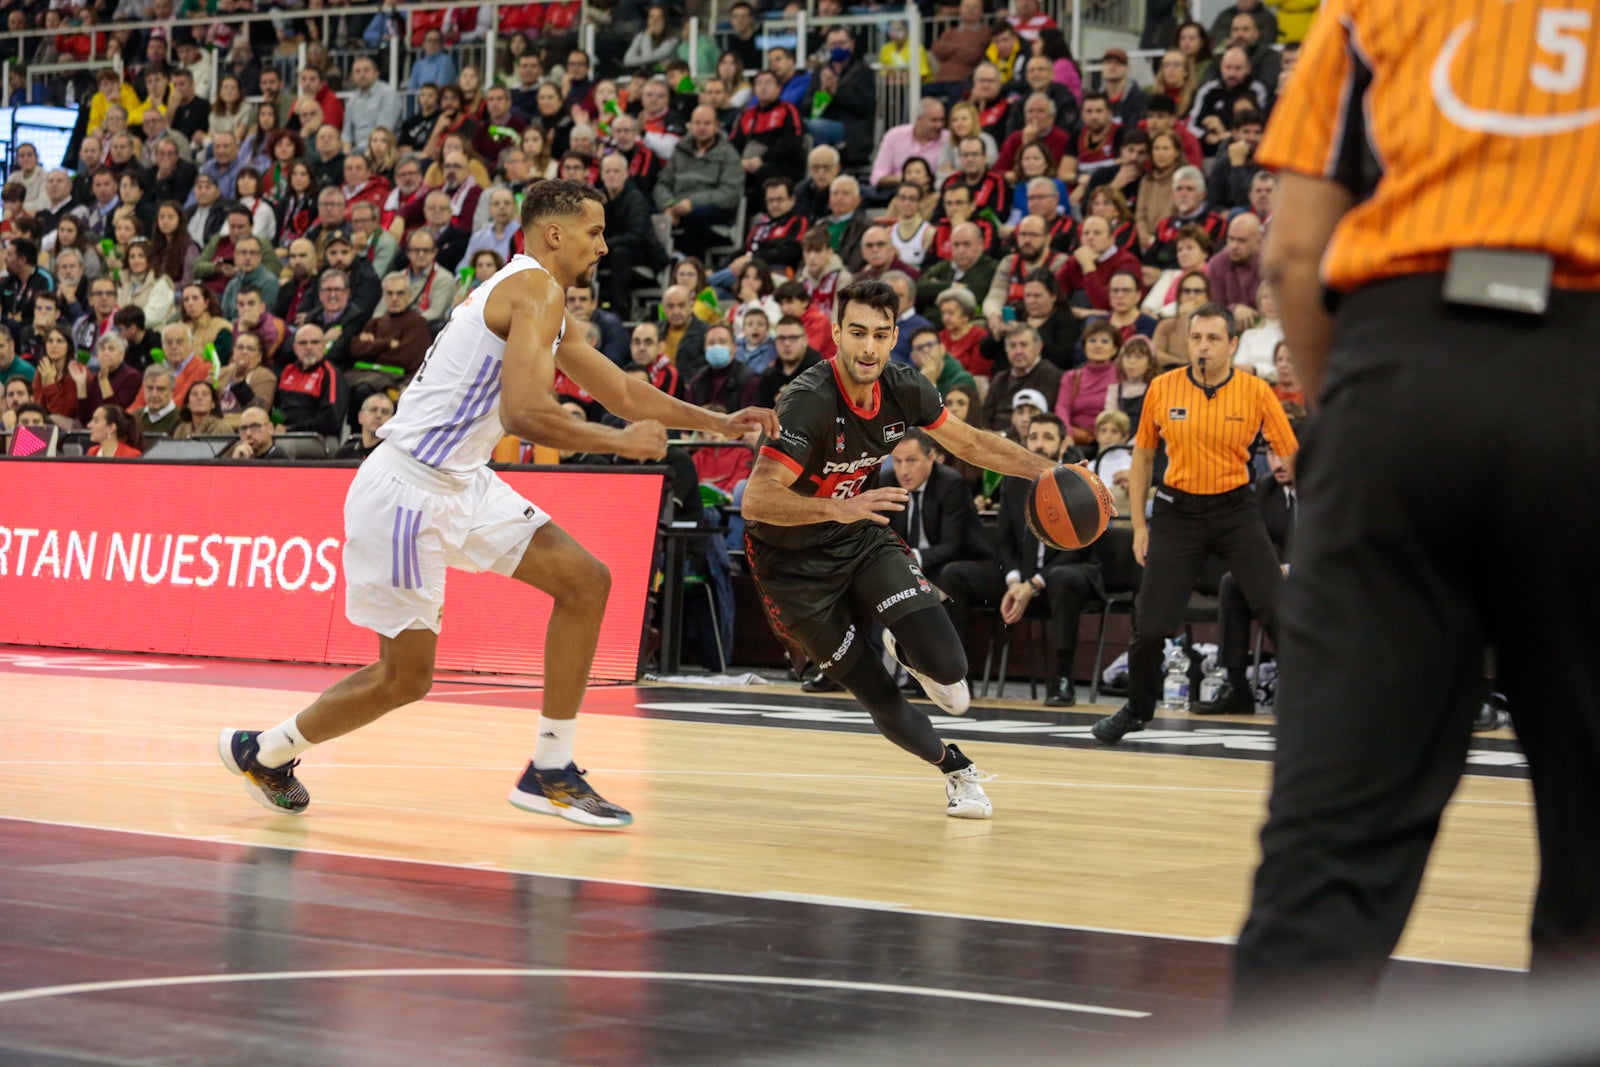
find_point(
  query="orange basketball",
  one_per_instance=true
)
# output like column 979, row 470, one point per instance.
column 1069, row 507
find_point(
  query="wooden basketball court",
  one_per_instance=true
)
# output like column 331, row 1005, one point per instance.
column 790, row 892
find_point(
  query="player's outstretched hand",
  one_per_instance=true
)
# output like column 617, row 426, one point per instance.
column 746, row 419
column 872, row 504
column 643, row 440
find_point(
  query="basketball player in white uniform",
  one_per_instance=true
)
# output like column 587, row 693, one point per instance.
column 425, row 501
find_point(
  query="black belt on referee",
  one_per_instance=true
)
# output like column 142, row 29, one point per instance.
column 1178, row 495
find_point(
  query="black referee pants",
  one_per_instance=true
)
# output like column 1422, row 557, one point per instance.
column 1449, row 484
column 1185, row 530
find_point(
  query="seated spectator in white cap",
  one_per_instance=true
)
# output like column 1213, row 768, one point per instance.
column 1024, row 406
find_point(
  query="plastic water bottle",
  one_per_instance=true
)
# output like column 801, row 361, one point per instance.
column 1175, row 687
column 1212, row 683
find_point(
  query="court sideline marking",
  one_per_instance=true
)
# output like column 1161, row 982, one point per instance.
column 666, row 887
column 42, row 992
column 916, row 779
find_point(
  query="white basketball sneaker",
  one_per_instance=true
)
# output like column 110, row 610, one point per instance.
column 953, row 699
column 964, row 793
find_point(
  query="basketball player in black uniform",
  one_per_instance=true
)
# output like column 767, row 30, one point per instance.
column 819, row 543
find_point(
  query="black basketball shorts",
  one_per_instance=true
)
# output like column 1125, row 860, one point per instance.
column 818, row 599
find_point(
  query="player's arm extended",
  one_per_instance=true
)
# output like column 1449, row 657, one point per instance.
column 981, row 448
column 530, row 307
column 768, row 498
column 629, row 398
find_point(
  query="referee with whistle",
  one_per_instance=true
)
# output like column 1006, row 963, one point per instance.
column 1435, row 256
column 1209, row 414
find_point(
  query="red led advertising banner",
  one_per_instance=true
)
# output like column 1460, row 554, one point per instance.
column 245, row 562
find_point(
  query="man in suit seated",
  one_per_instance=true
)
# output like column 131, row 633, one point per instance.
column 1030, row 578
column 940, row 522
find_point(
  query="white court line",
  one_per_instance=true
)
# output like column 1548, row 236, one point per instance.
column 647, row 771
column 41, row 992
column 669, row 887
column 666, row 772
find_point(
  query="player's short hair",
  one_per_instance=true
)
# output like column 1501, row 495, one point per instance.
column 557, row 198
column 876, row 295
column 1215, row 310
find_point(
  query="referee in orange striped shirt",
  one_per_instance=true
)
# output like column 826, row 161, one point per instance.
column 1435, row 256
column 1208, row 414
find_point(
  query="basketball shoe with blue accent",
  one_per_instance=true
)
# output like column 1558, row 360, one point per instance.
column 563, row 792
column 274, row 788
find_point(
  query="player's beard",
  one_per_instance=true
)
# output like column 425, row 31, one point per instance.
column 852, row 369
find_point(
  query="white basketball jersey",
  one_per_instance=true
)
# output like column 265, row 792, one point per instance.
column 449, row 416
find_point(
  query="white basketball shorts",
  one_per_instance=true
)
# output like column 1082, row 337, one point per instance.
column 406, row 522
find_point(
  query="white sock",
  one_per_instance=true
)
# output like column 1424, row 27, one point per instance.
column 281, row 744
column 555, row 743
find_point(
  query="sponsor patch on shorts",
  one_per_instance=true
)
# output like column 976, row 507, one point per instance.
column 838, row 653
column 904, row 594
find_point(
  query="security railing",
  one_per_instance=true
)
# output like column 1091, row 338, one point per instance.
column 478, row 53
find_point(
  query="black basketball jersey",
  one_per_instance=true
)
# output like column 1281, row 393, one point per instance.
column 836, row 447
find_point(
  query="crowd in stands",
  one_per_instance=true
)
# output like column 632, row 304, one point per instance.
column 271, row 248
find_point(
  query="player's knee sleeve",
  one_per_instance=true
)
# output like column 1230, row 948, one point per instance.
column 928, row 641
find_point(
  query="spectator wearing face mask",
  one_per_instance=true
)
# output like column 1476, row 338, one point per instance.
column 723, row 380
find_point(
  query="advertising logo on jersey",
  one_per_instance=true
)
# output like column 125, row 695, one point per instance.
column 893, row 432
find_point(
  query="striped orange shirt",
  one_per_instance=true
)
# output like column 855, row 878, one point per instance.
column 1455, row 124
column 1208, row 437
